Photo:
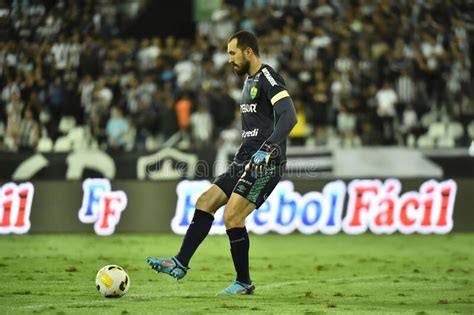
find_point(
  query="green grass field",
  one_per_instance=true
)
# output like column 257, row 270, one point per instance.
column 417, row 274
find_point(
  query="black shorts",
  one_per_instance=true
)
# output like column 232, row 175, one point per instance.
column 255, row 190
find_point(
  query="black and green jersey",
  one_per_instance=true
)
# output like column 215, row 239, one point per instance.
column 261, row 91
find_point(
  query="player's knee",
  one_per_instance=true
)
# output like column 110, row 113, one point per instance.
column 233, row 219
column 207, row 203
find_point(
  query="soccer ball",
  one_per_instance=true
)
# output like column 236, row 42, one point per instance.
column 112, row 281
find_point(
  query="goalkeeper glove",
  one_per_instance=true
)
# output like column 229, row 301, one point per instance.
column 261, row 159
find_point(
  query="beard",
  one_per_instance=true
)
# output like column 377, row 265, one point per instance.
column 242, row 69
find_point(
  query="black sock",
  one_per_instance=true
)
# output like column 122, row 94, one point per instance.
column 196, row 233
column 239, row 247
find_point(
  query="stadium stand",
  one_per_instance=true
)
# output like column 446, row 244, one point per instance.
column 365, row 73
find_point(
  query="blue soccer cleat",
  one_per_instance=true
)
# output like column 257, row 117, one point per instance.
column 170, row 266
column 237, row 288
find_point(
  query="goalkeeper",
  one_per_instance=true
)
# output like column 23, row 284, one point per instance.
column 268, row 115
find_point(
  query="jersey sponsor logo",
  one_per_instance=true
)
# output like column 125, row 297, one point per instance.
column 248, row 108
column 15, row 208
column 101, row 205
column 251, row 133
column 269, row 77
column 372, row 205
column 253, row 92
column 243, row 180
column 241, row 188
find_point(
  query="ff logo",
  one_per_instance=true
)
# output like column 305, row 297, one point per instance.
column 15, row 208
column 101, row 206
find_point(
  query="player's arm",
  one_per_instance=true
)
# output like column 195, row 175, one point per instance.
column 286, row 119
column 285, row 115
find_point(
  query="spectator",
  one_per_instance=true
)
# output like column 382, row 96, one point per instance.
column 297, row 136
column 433, row 54
column 168, row 117
column 183, row 113
column 10, row 89
column 147, row 55
column 222, row 107
column 201, row 126
column 13, row 111
column 405, row 89
column 409, row 124
column 344, row 63
column 60, row 53
column 117, row 129
column 56, row 98
column 341, row 89
column 346, row 125
column 29, row 132
column 185, row 70
column 321, row 40
column 86, row 87
column 457, row 87
column 321, row 108
column 386, row 111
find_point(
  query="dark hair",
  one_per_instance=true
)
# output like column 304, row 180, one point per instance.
column 245, row 39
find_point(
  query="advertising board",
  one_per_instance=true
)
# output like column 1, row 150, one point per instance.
column 352, row 206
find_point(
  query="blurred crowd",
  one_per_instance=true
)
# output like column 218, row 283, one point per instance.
column 366, row 72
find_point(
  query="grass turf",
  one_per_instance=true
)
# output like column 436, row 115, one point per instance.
column 414, row 274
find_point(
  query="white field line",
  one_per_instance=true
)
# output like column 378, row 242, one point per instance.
column 348, row 279
column 279, row 284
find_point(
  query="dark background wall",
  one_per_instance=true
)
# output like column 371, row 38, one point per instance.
column 458, row 166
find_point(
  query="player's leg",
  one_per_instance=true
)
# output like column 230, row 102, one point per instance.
column 207, row 204
column 237, row 209
column 249, row 194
